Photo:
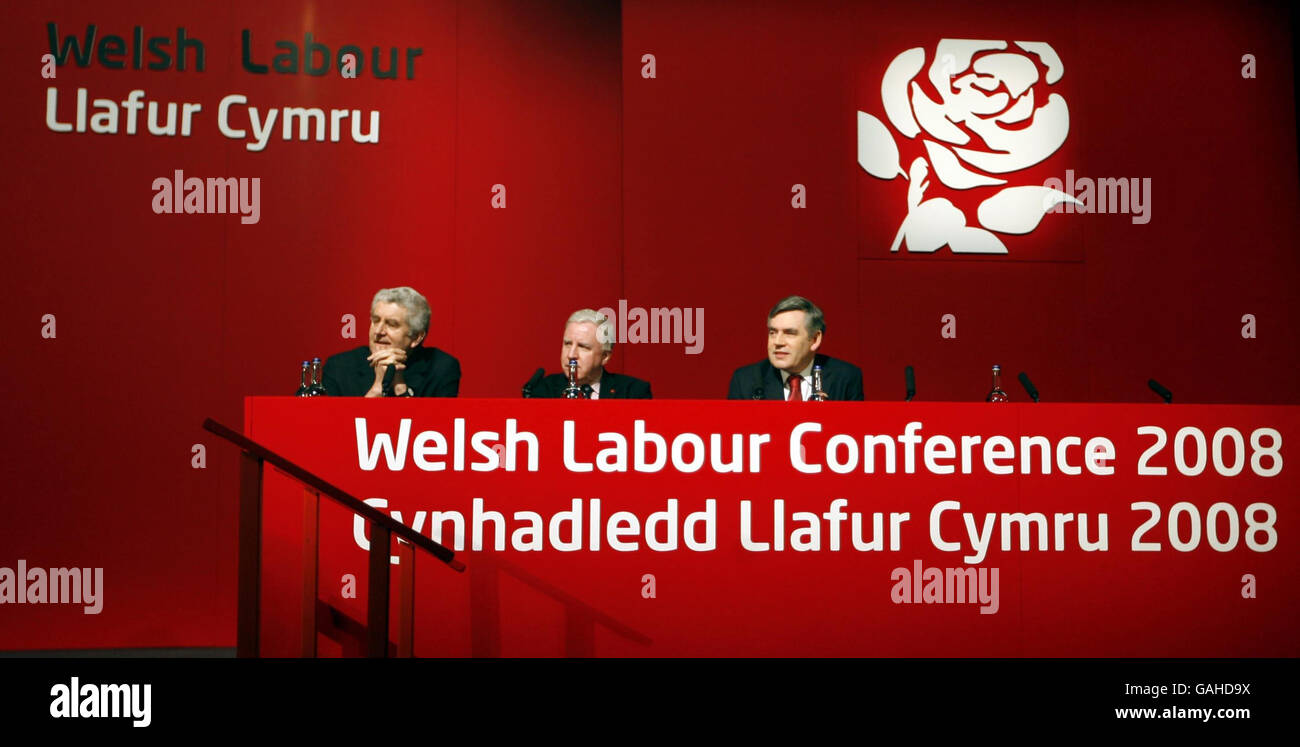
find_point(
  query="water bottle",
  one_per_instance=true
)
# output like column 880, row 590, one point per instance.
column 573, row 391
column 317, row 389
column 304, row 381
column 996, row 394
column 817, row 394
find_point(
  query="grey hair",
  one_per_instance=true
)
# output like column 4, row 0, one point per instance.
column 417, row 308
column 604, row 330
column 816, row 321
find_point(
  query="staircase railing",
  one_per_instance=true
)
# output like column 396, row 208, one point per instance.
column 253, row 458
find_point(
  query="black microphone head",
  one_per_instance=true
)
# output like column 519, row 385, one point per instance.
column 537, row 376
column 1164, row 393
column 1028, row 385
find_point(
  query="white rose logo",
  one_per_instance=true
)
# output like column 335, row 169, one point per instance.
column 986, row 91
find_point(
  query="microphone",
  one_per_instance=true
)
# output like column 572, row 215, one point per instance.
column 1028, row 385
column 537, row 376
column 758, row 392
column 1167, row 395
column 909, row 379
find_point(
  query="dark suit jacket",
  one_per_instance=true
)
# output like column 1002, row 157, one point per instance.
column 840, row 380
column 429, row 373
column 612, row 386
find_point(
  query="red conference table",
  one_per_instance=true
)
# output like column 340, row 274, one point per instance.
column 638, row 528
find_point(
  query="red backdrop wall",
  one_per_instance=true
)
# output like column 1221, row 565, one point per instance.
column 665, row 191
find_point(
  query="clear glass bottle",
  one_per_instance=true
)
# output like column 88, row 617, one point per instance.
column 304, row 381
column 817, row 392
column 996, row 394
column 572, row 391
column 317, row 388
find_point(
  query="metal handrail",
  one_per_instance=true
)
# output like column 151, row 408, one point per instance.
column 383, row 529
column 349, row 501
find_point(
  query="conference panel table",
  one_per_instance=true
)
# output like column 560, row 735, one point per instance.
column 716, row 528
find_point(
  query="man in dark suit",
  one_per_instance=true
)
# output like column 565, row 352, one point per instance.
column 589, row 339
column 794, row 333
column 394, row 364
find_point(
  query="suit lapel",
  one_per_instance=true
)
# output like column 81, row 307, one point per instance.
column 610, row 386
column 772, row 387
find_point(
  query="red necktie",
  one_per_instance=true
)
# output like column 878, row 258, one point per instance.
column 796, row 390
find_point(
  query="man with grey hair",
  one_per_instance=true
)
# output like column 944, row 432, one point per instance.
column 394, row 364
column 589, row 340
column 795, row 327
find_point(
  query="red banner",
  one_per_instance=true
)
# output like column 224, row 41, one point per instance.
column 839, row 529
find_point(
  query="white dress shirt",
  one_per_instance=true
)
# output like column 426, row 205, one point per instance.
column 805, row 386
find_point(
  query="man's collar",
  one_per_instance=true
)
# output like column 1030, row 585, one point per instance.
column 806, row 372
